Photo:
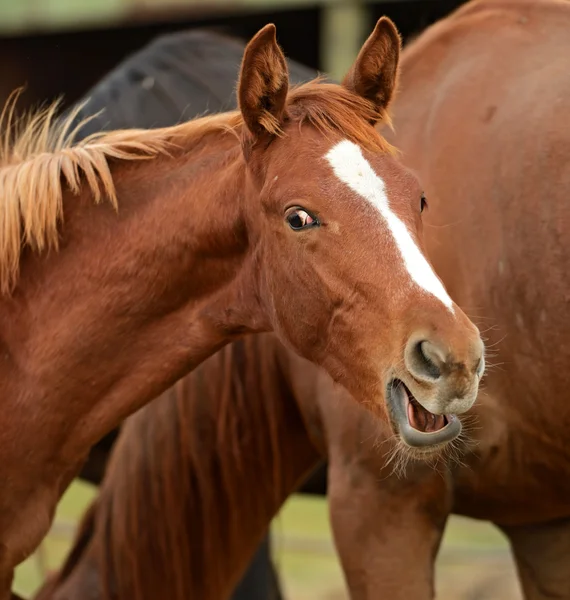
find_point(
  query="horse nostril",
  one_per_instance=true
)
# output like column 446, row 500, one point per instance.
column 427, row 360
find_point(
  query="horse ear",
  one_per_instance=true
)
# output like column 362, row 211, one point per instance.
column 374, row 73
column 263, row 84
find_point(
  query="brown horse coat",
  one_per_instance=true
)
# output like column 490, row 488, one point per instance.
column 196, row 476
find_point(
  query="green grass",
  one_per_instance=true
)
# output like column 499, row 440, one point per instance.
column 474, row 554
column 75, row 500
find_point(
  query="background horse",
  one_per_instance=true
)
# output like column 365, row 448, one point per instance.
column 495, row 68
column 496, row 110
column 179, row 279
column 196, row 477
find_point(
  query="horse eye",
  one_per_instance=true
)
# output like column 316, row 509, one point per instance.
column 298, row 218
column 423, row 203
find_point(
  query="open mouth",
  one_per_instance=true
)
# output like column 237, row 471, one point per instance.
column 418, row 427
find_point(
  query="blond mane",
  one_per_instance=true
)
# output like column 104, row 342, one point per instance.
column 39, row 159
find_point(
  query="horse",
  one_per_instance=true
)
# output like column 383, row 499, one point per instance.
column 494, row 112
column 196, row 476
column 492, row 87
column 179, row 240
column 495, row 67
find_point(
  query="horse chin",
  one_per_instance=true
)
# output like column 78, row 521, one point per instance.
column 423, row 433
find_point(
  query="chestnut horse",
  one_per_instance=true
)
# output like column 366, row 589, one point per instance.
column 196, row 476
column 491, row 82
column 290, row 215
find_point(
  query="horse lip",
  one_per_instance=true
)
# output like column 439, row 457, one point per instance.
column 396, row 401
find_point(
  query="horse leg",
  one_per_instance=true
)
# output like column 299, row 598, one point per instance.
column 6, row 586
column 387, row 530
column 542, row 555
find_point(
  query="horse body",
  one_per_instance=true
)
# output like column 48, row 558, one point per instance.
column 45, row 344
column 494, row 109
column 202, row 469
column 497, row 179
column 176, row 77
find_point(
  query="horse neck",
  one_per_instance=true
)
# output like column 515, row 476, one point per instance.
column 195, row 479
column 149, row 293
column 173, row 259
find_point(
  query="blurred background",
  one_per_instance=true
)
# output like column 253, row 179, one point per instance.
column 474, row 562
column 63, row 47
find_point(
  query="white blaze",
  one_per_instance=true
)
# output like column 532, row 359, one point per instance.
column 350, row 166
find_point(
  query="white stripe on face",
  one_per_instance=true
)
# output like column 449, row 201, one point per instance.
column 350, row 166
